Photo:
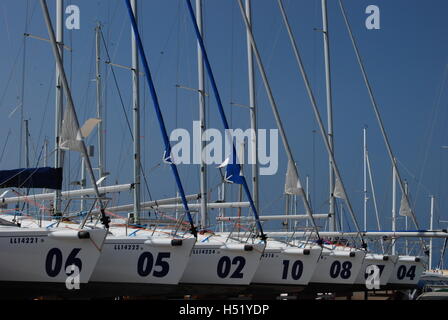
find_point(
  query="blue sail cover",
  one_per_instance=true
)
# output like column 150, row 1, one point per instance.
column 47, row 178
column 233, row 173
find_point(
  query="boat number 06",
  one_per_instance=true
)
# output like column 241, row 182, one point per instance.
column 225, row 264
column 337, row 269
column 53, row 263
column 146, row 263
column 402, row 272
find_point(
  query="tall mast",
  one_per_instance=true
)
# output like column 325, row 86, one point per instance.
column 431, row 227
column 406, row 190
column 252, row 105
column 27, row 145
column 332, row 218
column 56, row 52
column 365, row 176
column 277, row 117
column 59, row 97
column 201, row 91
column 136, row 116
column 394, row 204
column 99, row 104
column 342, row 191
column 45, row 153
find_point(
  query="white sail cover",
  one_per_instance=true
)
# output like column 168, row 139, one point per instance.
column 405, row 208
column 88, row 127
column 70, row 137
column 338, row 191
column 292, row 183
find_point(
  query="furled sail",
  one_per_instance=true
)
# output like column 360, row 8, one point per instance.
column 405, row 208
column 338, row 190
column 292, row 183
column 71, row 136
column 46, row 178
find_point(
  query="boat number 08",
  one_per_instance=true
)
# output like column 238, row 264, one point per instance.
column 344, row 270
column 53, row 263
column 402, row 272
column 225, row 264
column 146, row 263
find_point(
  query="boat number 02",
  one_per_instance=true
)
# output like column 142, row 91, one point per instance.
column 402, row 272
column 146, row 263
column 296, row 269
column 225, row 264
column 343, row 270
column 53, row 263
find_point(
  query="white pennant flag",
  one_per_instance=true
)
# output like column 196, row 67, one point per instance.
column 71, row 136
column 292, row 183
column 338, row 191
column 405, row 208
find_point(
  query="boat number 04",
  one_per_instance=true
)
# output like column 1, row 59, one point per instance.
column 341, row 269
column 402, row 272
column 146, row 264
column 225, row 266
column 53, row 263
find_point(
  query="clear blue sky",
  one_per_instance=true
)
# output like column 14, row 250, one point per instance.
column 405, row 60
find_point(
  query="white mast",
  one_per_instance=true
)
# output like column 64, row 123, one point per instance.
column 253, row 113
column 83, row 183
column 277, row 116
column 406, row 187
column 56, row 52
column 27, row 145
column 99, row 106
column 341, row 189
column 136, row 117
column 394, row 204
column 201, row 90
column 431, row 227
column 59, row 97
column 365, row 177
column 332, row 219
column 45, row 152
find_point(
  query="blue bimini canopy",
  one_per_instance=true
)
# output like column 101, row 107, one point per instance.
column 48, row 178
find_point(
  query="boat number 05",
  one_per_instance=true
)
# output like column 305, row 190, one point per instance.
column 53, row 263
column 296, row 270
column 402, row 272
column 337, row 269
column 225, row 264
column 146, row 263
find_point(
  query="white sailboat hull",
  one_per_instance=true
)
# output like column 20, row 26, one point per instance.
column 42, row 255
column 386, row 268
column 407, row 271
column 143, row 260
column 287, row 265
column 220, row 263
column 338, row 267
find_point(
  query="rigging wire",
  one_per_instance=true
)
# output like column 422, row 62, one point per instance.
column 433, row 120
column 22, row 89
column 124, row 111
